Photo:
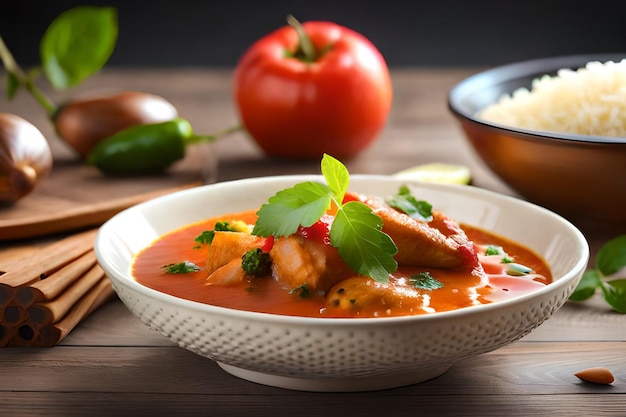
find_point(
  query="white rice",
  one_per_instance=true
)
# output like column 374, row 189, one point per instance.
column 588, row 101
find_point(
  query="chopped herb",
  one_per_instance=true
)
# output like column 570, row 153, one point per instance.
column 222, row 227
column 492, row 250
column 407, row 203
column 356, row 231
column 302, row 291
column 425, row 281
column 184, row 267
column 256, row 263
column 610, row 260
column 205, row 238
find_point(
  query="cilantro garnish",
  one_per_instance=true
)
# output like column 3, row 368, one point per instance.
column 494, row 250
column 407, row 203
column 184, row 267
column 356, row 232
column 498, row 250
column 206, row 237
column 425, row 281
column 302, row 291
column 610, row 260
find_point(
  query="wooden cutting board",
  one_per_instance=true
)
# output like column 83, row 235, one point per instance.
column 76, row 196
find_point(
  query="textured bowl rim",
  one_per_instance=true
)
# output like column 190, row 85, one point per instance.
column 565, row 279
column 536, row 67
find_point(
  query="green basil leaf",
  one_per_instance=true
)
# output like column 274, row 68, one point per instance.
column 587, row 286
column 615, row 294
column 77, row 44
column 612, row 256
column 13, row 84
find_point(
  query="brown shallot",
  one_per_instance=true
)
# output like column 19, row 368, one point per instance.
column 25, row 157
column 83, row 122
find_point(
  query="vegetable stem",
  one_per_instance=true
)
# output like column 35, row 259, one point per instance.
column 13, row 68
column 306, row 46
column 214, row 136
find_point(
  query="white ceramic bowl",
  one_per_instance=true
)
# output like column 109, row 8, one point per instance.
column 324, row 354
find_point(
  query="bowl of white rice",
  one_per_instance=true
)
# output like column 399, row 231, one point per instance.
column 554, row 130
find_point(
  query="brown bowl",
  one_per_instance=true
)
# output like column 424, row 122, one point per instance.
column 580, row 177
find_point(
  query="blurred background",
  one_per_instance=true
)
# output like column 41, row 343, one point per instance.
column 169, row 33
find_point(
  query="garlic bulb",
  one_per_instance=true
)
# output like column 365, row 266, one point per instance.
column 25, row 157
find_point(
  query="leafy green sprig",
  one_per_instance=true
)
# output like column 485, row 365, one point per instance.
column 408, row 204
column 183, row 267
column 425, row 281
column 77, row 44
column 356, row 231
column 610, row 259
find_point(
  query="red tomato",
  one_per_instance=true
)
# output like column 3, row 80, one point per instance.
column 336, row 104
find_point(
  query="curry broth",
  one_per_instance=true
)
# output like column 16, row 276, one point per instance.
column 268, row 295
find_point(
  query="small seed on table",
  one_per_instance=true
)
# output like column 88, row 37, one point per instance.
column 596, row 375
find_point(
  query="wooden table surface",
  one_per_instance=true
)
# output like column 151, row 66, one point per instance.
column 112, row 364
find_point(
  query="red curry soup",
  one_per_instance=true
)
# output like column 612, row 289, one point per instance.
column 441, row 266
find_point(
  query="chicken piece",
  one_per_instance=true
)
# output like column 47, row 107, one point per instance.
column 228, row 274
column 297, row 262
column 367, row 297
column 227, row 246
column 440, row 243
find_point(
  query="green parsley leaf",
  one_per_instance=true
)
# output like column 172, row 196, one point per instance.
column 357, row 233
column 206, row 237
column 222, row 226
column 184, row 267
column 494, row 250
column 336, row 175
column 300, row 205
column 302, row 291
column 425, row 281
column 407, row 203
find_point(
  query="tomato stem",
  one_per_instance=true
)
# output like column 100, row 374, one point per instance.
column 306, row 46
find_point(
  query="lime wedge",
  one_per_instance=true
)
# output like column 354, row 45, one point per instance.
column 437, row 172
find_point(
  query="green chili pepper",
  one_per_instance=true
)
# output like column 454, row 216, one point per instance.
column 142, row 149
